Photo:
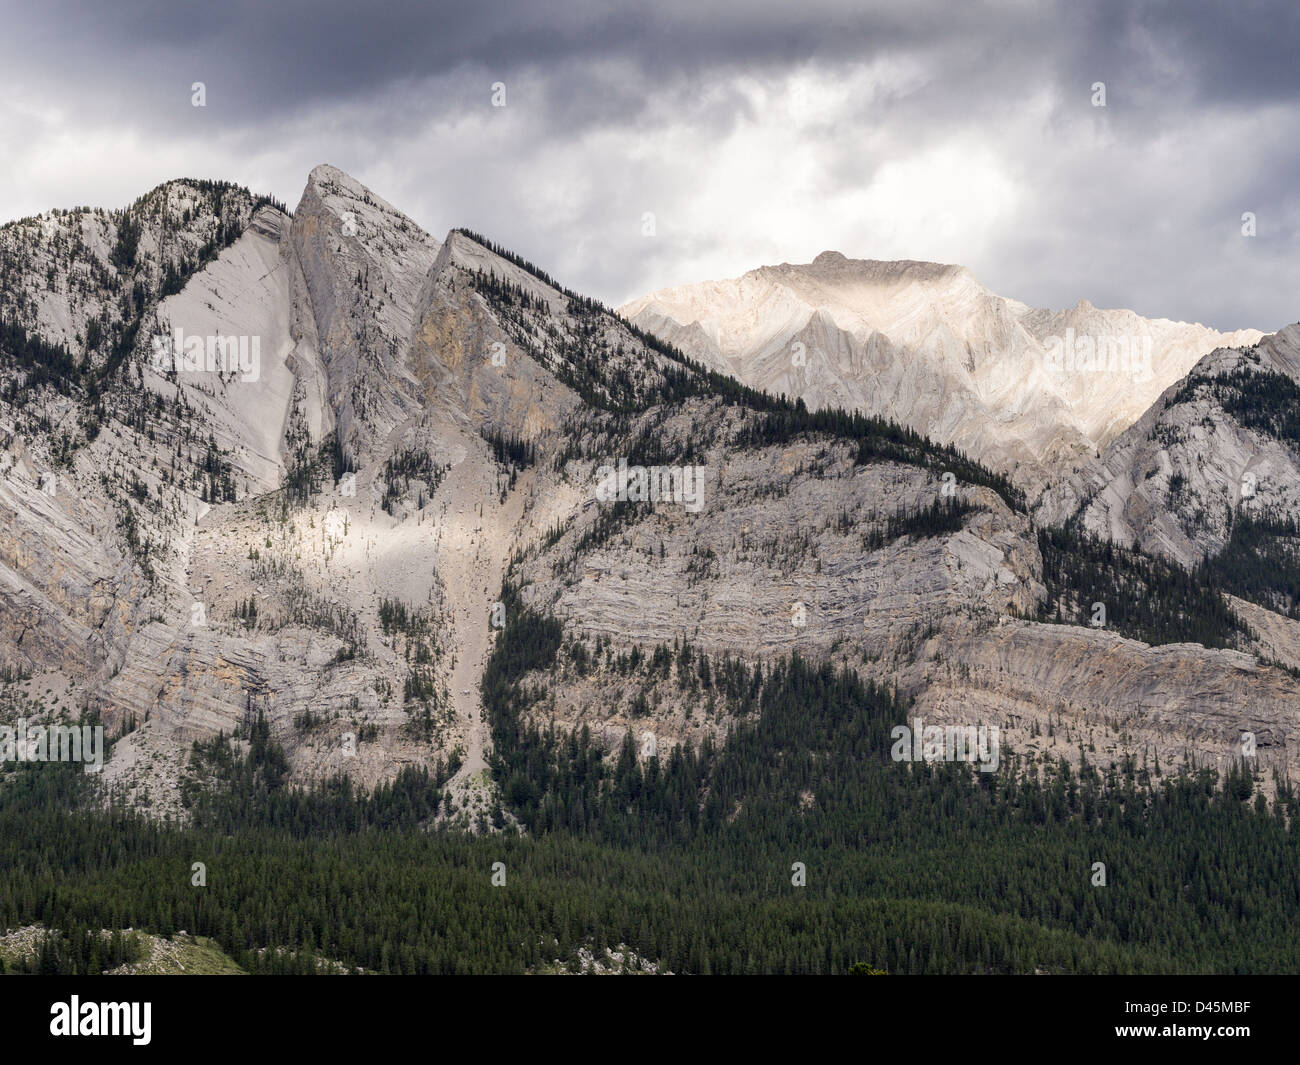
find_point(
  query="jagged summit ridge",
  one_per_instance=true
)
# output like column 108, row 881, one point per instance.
column 927, row 344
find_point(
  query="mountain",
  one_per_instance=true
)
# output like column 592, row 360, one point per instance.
column 351, row 539
column 391, row 541
column 1210, row 471
column 1024, row 390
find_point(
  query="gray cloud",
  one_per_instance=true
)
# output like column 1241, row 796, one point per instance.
column 754, row 132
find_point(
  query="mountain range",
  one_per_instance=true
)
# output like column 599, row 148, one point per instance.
column 374, row 469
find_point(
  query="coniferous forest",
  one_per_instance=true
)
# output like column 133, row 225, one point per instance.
column 1145, row 597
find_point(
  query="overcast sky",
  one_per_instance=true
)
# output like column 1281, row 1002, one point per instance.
column 755, row 133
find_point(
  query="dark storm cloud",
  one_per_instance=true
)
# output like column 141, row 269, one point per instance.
column 279, row 58
column 349, row 46
column 619, row 109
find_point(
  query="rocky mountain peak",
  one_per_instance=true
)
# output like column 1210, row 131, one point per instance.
column 928, row 344
column 828, row 259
